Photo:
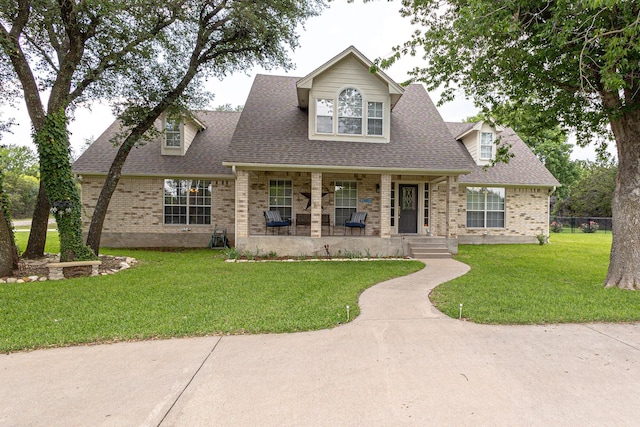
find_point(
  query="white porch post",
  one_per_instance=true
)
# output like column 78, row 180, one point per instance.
column 316, row 204
column 452, row 207
column 242, row 203
column 385, row 206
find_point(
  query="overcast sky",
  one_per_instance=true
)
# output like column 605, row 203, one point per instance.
column 373, row 28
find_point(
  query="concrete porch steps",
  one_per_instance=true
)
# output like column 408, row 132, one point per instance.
column 429, row 248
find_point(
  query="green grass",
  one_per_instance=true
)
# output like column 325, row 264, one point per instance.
column 532, row 284
column 186, row 293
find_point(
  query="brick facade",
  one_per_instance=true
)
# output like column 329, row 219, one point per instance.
column 136, row 211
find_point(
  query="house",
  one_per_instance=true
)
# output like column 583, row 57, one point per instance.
column 317, row 149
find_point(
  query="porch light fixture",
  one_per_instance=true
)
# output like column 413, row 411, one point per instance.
column 377, row 188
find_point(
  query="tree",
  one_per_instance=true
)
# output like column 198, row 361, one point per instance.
column 8, row 251
column 21, row 183
column 575, row 63
column 70, row 51
column 229, row 107
column 215, row 39
column 591, row 194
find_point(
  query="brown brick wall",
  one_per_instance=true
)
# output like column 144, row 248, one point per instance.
column 301, row 181
column 526, row 213
column 137, row 206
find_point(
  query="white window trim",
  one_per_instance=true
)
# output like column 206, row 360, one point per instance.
column 187, row 205
column 276, row 205
column 374, row 118
column 361, row 117
column 333, row 115
column 480, row 145
column 180, row 131
column 335, row 200
column 486, row 210
column 314, row 133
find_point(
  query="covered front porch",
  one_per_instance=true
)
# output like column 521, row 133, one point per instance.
column 317, row 204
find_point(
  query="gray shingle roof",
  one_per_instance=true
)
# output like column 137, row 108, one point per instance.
column 273, row 131
column 204, row 156
column 523, row 169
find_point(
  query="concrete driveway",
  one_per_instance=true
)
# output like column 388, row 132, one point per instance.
column 401, row 363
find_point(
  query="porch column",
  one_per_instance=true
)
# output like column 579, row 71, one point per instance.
column 242, row 203
column 452, row 208
column 316, row 205
column 385, row 206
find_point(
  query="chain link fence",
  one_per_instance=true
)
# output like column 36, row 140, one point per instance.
column 586, row 224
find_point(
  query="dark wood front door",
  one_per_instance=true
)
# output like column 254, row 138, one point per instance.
column 408, row 222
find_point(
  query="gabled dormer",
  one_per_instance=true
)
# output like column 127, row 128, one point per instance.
column 178, row 133
column 346, row 102
column 480, row 140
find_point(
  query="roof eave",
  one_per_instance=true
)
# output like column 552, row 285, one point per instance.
column 333, row 168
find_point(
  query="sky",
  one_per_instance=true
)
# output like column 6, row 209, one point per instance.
column 373, row 28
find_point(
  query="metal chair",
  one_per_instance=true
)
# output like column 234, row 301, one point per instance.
column 357, row 220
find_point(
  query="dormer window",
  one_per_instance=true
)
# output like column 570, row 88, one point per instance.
column 350, row 112
column 324, row 115
column 374, row 118
column 172, row 132
column 486, row 145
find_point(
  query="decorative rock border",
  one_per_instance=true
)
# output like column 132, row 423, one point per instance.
column 42, row 268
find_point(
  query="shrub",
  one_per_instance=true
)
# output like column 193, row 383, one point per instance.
column 590, row 227
column 556, row 227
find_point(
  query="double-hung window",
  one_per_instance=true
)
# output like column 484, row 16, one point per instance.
column 346, row 200
column 187, row 201
column 324, row 115
column 485, row 207
column 281, row 197
column 374, row 118
column 350, row 112
column 486, row 145
column 172, row 132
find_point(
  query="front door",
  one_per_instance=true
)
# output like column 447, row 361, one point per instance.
column 408, row 221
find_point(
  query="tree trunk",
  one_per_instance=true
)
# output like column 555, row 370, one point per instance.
column 39, row 225
column 60, row 185
column 113, row 177
column 624, row 264
column 8, row 252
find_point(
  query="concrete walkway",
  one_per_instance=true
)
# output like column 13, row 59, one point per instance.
column 401, row 363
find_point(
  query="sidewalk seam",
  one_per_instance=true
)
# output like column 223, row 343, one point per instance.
column 611, row 337
column 189, row 382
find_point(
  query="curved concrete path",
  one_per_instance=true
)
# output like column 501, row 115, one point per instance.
column 400, row 363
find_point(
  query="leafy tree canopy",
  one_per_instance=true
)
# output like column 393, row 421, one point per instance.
column 591, row 194
column 18, row 159
column 572, row 63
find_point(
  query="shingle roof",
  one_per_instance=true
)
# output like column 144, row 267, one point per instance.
column 273, row 131
column 523, row 169
column 204, row 156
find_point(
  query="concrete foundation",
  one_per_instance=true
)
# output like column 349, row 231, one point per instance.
column 190, row 239
column 374, row 246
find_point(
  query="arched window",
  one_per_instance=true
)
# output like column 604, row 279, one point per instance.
column 350, row 112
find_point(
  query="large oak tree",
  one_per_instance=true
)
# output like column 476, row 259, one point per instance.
column 147, row 53
column 59, row 54
column 219, row 37
column 575, row 63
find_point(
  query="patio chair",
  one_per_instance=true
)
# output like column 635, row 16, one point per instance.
column 274, row 221
column 357, row 220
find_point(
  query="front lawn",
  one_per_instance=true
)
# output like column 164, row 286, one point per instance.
column 186, row 293
column 531, row 284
